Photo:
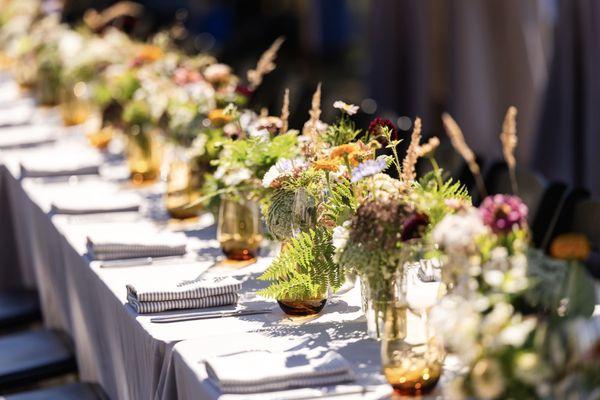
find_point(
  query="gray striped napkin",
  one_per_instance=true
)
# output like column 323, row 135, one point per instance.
column 144, row 307
column 103, row 204
column 133, row 245
column 263, row 371
column 194, row 289
column 83, row 169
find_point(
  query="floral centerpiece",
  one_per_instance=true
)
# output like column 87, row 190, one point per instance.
column 308, row 196
column 512, row 313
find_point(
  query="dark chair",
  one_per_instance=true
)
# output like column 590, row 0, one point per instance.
column 543, row 198
column 74, row 391
column 564, row 220
column 18, row 307
column 32, row 356
column 581, row 214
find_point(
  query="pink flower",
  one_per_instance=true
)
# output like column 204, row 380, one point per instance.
column 503, row 212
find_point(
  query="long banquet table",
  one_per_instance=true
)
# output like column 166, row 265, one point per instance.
column 131, row 357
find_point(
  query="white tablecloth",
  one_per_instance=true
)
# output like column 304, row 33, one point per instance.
column 124, row 352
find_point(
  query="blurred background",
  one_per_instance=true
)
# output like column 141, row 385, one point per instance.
column 405, row 58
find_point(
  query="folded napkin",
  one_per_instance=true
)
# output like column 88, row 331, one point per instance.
column 199, row 293
column 17, row 114
column 193, row 289
column 262, row 371
column 15, row 137
column 60, row 166
column 144, row 307
column 118, row 202
column 123, row 245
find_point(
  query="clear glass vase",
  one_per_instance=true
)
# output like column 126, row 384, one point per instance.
column 412, row 355
column 181, row 188
column 239, row 229
column 144, row 154
column 75, row 106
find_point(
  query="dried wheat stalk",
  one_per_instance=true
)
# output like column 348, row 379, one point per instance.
column 285, row 111
column 310, row 127
column 265, row 64
column 508, row 137
column 410, row 160
column 458, row 142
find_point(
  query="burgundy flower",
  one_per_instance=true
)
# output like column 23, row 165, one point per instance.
column 375, row 128
column 503, row 212
column 243, row 90
column 414, row 226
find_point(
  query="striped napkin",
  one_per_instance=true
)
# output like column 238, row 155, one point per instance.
column 199, row 293
column 124, row 245
column 263, row 371
column 115, row 202
column 65, row 167
column 17, row 137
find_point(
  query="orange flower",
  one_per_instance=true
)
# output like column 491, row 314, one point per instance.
column 344, row 150
column 355, row 152
column 218, row 117
column 150, row 53
column 327, row 165
column 570, row 246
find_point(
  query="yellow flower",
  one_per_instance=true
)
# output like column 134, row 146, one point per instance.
column 218, row 117
column 570, row 246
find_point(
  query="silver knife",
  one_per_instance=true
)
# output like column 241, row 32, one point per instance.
column 135, row 262
column 209, row 315
column 327, row 395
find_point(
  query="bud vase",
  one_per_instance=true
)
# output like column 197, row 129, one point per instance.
column 144, row 154
column 75, row 106
column 181, row 187
column 412, row 355
column 239, row 229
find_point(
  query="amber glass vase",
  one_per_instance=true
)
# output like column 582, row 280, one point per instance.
column 301, row 308
column 412, row 355
column 182, row 189
column 144, row 154
column 239, row 229
column 75, row 106
column 303, row 218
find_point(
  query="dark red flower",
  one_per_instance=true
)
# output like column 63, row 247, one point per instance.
column 243, row 90
column 375, row 128
column 414, row 226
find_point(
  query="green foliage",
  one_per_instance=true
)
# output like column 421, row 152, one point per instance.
column 341, row 133
column 341, row 201
column 430, row 194
column 304, row 269
column 136, row 113
column 125, row 86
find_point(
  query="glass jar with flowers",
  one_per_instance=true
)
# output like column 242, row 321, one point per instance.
column 144, row 143
column 75, row 106
column 254, row 145
column 190, row 99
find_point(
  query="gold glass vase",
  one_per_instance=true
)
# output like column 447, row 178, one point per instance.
column 75, row 106
column 144, row 154
column 182, row 189
column 412, row 355
column 239, row 230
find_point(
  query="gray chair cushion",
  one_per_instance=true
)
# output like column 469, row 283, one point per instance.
column 30, row 356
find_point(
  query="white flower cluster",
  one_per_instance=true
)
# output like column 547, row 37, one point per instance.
column 282, row 167
column 456, row 233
